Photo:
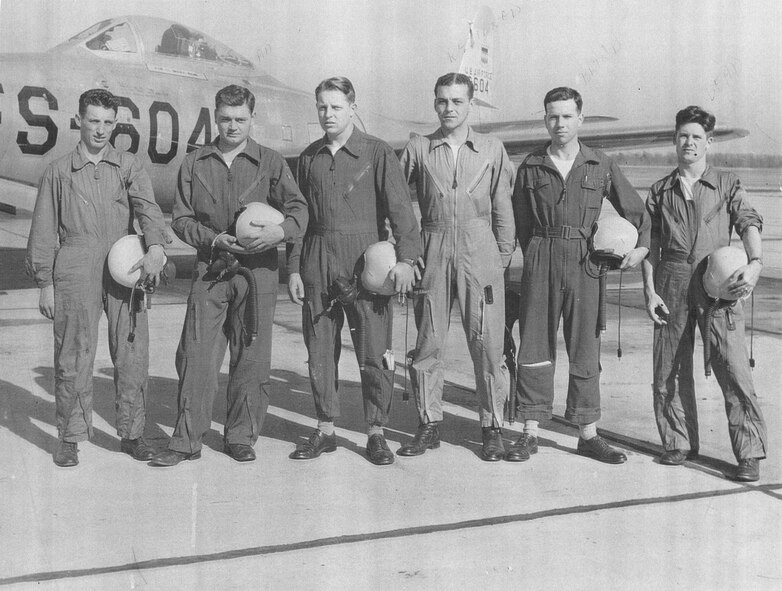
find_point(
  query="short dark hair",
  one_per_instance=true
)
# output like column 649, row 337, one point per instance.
column 234, row 95
column 339, row 83
column 98, row 97
column 452, row 79
column 695, row 114
column 563, row 93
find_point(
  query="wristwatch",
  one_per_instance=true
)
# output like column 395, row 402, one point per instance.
column 410, row 262
column 758, row 259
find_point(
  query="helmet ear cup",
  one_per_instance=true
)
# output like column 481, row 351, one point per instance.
column 723, row 263
column 125, row 253
column 379, row 259
column 252, row 219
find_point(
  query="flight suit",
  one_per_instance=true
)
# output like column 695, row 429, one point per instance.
column 350, row 195
column 81, row 210
column 468, row 233
column 209, row 195
column 684, row 233
column 554, row 220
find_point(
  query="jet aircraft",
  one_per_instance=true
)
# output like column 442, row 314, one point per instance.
column 166, row 75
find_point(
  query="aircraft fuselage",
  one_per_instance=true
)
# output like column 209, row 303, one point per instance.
column 166, row 112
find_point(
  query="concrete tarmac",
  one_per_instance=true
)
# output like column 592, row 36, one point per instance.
column 445, row 520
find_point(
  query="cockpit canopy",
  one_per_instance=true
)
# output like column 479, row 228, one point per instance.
column 158, row 38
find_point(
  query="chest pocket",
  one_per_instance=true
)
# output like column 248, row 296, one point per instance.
column 203, row 199
column 479, row 178
column 479, row 190
column 75, row 209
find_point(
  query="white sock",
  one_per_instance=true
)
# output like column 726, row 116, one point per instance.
column 531, row 428
column 588, row 431
column 375, row 430
column 326, row 427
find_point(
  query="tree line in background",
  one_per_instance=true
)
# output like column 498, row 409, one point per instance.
column 741, row 160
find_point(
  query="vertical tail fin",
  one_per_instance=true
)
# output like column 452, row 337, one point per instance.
column 478, row 58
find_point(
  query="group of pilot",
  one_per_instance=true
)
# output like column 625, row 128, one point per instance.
column 350, row 193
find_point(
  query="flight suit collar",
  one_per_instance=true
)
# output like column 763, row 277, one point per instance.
column 708, row 177
column 252, row 150
column 351, row 147
column 437, row 139
column 585, row 154
column 79, row 158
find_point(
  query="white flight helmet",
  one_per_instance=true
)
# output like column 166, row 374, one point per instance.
column 615, row 236
column 723, row 263
column 253, row 218
column 379, row 259
column 124, row 253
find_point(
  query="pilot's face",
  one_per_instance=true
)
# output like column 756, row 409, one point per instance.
column 95, row 127
column 233, row 124
column 692, row 143
column 452, row 104
column 335, row 112
column 562, row 121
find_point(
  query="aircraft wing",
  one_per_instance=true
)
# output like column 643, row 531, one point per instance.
column 604, row 133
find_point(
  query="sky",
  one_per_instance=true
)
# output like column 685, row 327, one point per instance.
column 639, row 60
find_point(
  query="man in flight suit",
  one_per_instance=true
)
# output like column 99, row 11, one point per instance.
column 557, row 198
column 463, row 180
column 693, row 211
column 86, row 201
column 215, row 183
column 352, row 183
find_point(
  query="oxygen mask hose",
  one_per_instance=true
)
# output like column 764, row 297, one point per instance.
column 713, row 307
column 251, row 307
column 752, row 331
column 601, row 310
column 619, row 322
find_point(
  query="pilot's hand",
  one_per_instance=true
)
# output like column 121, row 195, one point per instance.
column 403, row 277
column 229, row 243
column 656, row 309
column 634, row 257
column 296, row 288
column 151, row 265
column 744, row 280
column 419, row 269
column 46, row 302
column 269, row 236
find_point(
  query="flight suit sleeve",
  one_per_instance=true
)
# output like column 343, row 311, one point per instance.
column 629, row 204
column 503, row 225
column 655, row 225
column 43, row 240
column 285, row 193
column 293, row 248
column 183, row 220
column 146, row 209
column 390, row 184
column 522, row 208
column 742, row 214
column 409, row 162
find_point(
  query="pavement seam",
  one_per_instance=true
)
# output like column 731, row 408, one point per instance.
column 374, row 536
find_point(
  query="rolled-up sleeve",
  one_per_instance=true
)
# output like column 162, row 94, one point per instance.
column 522, row 209
column 742, row 214
column 395, row 194
column 146, row 209
column 184, row 221
column 503, row 225
column 629, row 205
column 293, row 248
column 43, row 240
column 285, row 194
